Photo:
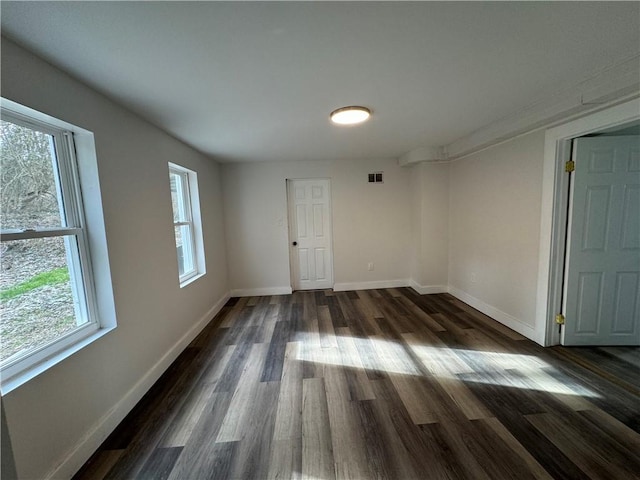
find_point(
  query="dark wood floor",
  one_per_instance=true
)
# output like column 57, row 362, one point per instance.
column 378, row 384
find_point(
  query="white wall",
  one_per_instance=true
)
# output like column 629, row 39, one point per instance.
column 74, row 404
column 430, row 222
column 494, row 230
column 371, row 222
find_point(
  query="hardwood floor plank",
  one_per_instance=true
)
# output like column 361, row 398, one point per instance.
column 216, row 364
column 541, row 448
column 604, row 461
column 368, row 305
column 321, row 297
column 201, row 456
column 523, row 455
column 189, row 415
column 335, row 312
column 420, row 315
column 289, row 410
column 325, row 328
column 270, row 319
column 286, row 460
column 603, row 393
column 98, row 465
column 236, row 309
column 230, row 376
column 377, row 384
column 158, row 413
column 160, row 463
column 317, row 451
column 547, row 391
column 253, row 452
column 425, row 455
column 614, row 428
column 367, row 351
column 495, row 456
column 357, row 380
column 243, row 401
column 275, row 356
column 312, row 366
column 631, row 355
column 404, row 376
column 346, row 439
column 459, row 459
column 446, row 374
column 486, row 321
column 214, row 463
column 310, row 309
column 381, row 464
column 606, row 366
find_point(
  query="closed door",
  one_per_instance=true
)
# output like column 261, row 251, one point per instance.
column 602, row 280
column 310, row 234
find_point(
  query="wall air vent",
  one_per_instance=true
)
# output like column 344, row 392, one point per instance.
column 375, row 177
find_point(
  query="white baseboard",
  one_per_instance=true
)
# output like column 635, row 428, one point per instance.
column 259, row 292
column 90, row 442
column 508, row 320
column 341, row 287
column 428, row 289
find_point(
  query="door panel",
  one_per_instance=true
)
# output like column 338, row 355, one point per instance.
column 631, row 220
column 602, row 280
column 627, row 299
column 310, row 228
column 303, row 259
column 596, row 218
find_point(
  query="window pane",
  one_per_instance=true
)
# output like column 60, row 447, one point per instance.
column 36, row 295
column 177, row 182
column 28, row 193
column 184, row 242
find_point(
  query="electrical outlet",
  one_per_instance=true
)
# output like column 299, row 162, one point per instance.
column 473, row 278
column 370, row 266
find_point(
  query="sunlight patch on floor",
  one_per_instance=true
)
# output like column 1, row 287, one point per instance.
column 468, row 366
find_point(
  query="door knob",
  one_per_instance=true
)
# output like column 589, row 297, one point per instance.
column 295, row 243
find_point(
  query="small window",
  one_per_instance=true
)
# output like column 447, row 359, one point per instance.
column 47, row 292
column 186, row 223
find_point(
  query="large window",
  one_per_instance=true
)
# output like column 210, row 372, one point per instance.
column 186, row 223
column 46, row 284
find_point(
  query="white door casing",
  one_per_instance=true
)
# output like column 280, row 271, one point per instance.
column 602, row 280
column 310, row 241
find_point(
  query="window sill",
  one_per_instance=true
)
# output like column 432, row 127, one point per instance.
column 19, row 379
column 192, row 279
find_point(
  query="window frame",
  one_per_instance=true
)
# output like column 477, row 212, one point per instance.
column 18, row 368
column 188, row 191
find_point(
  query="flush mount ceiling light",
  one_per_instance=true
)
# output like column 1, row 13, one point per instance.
column 350, row 115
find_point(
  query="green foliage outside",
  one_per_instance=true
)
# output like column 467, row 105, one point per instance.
column 53, row 277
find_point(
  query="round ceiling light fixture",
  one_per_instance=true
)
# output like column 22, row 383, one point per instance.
column 350, row 115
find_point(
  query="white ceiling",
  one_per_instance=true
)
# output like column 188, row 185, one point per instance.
column 257, row 81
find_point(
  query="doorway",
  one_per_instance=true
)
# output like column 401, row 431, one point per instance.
column 554, row 215
column 310, row 239
column 601, row 288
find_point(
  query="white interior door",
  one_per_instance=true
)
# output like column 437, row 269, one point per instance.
column 310, row 234
column 602, row 279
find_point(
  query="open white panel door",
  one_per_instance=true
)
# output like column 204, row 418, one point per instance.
column 602, row 278
column 310, row 234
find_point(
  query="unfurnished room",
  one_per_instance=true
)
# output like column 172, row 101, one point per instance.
column 320, row 240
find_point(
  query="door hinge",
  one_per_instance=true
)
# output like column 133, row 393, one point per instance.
column 569, row 166
column 560, row 319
